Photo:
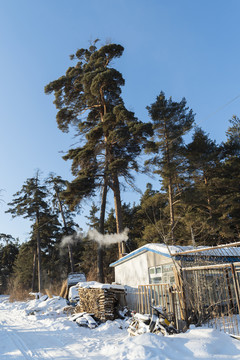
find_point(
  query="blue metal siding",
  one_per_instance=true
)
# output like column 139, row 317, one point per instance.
column 225, row 259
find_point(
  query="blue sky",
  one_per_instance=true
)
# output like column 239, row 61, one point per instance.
column 185, row 48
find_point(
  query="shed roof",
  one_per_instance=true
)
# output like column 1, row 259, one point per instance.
column 168, row 251
column 160, row 249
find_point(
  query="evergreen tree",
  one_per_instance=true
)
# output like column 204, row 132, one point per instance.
column 50, row 232
column 93, row 252
column 9, row 248
column 233, row 134
column 31, row 202
column 89, row 96
column 152, row 217
column 198, row 199
column 58, row 186
column 202, row 154
column 226, row 184
column 23, row 267
column 130, row 220
column 171, row 121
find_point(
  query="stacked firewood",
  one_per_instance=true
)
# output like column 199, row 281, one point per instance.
column 99, row 301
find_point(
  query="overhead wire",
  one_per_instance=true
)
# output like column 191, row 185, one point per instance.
column 210, row 115
column 221, row 108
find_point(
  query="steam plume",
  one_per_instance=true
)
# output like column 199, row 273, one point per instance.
column 71, row 239
column 108, row 239
column 94, row 235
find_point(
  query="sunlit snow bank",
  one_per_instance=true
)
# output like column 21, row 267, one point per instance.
column 39, row 329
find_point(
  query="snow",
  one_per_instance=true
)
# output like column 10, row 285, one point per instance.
column 175, row 249
column 73, row 293
column 97, row 285
column 39, row 329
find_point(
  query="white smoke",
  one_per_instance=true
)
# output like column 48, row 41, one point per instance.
column 94, row 235
column 71, row 239
column 67, row 240
column 108, row 239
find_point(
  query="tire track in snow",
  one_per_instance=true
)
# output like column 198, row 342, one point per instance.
column 28, row 353
column 45, row 338
column 20, row 345
column 13, row 330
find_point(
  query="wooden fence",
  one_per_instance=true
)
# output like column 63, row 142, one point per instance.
column 169, row 297
column 212, row 295
column 202, row 294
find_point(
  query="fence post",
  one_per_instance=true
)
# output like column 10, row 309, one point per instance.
column 172, row 297
column 236, row 287
column 229, row 288
column 178, row 274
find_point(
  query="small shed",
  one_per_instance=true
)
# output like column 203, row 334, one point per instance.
column 150, row 264
column 153, row 263
column 145, row 272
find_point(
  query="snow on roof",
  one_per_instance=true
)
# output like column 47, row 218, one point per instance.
column 97, row 285
column 170, row 250
column 161, row 249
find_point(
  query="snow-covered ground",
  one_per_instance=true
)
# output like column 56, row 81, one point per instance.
column 38, row 329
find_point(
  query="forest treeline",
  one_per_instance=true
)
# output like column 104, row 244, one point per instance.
column 197, row 201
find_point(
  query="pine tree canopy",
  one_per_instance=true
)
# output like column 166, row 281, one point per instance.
column 29, row 200
column 88, row 97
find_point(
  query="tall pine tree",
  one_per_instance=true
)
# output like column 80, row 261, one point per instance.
column 199, row 200
column 171, row 121
column 89, row 97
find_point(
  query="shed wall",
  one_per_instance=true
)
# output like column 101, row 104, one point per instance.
column 134, row 271
column 154, row 259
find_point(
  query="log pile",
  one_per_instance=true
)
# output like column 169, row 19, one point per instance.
column 101, row 302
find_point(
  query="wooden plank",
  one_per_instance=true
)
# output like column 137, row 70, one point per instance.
column 48, row 292
column 236, row 244
column 172, row 297
column 208, row 267
column 141, row 290
column 237, row 337
column 145, row 300
column 166, row 298
column 138, row 301
column 236, row 287
column 159, row 289
column 181, row 297
column 229, row 293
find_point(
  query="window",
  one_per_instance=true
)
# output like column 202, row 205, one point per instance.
column 161, row 274
column 152, row 271
column 155, row 274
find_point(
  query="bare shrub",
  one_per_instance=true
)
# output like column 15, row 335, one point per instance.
column 20, row 294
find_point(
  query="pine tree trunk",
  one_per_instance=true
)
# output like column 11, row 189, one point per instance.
column 70, row 252
column 34, row 270
column 118, row 212
column 170, row 187
column 171, row 209
column 115, row 186
column 208, row 196
column 193, row 237
column 39, row 257
column 101, row 230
